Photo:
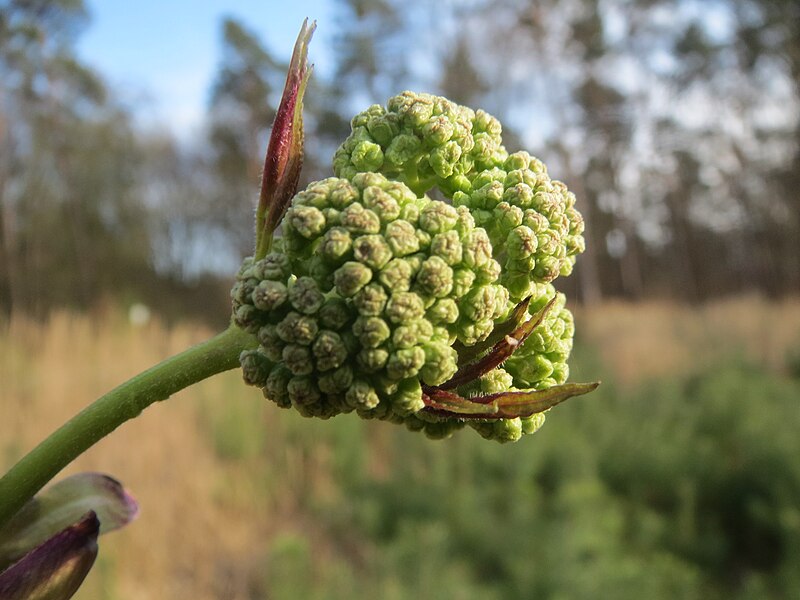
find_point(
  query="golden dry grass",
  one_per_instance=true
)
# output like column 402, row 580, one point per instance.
column 206, row 521
column 49, row 372
column 653, row 339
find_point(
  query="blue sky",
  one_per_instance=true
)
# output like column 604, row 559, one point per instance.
column 161, row 55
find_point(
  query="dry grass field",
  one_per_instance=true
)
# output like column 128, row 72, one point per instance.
column 224, row 478
column 653, row 339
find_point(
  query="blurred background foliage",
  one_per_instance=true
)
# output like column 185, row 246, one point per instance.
column 677, row 478
column 676, row 123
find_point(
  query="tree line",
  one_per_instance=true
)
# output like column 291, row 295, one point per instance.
column 675, row 122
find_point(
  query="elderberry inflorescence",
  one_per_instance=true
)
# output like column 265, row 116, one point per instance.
column 374, row 296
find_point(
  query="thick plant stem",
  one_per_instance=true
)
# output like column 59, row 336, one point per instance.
column 125, row 402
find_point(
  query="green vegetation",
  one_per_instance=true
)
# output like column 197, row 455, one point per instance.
column 678, row 478
column 684, row 487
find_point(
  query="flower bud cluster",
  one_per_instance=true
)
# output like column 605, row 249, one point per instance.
column 373, row 288
column 531, row 221
column 428, row 141
column 423, row 140
column 541, row 362
column 362, row 304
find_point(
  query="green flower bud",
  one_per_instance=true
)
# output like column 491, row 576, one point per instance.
column 479, row 303
column 334, row 314
column 444, row 158
column 463, row 279
column 537, row 222
column 404, row 306
column 383, row 128
column 321, row 272
column 381, row 203
column 415, row 261
column 423, row 239
column 501, row 430
column 533, row 423
column 255, row 367
column 248, row 318
column 337, row 381
column 396, row 275
column 407, row 399
column 372, row 250
column 410, row 212
column 276, row 386
column 496, row 381
column 441, row 363
column 412, row 333
column 438, row 217
column 483, row 218
column 560, row 372
column 340, row 192
column 507, row 217
column 402, row 238
column 274, row 266
column 403, row 149
column 477, row 249
column 303, row 392
column 405, row 362
column 305, row 220
column 363, row 118
column 360, row 220
column 547, row 268
column 414, row 423
column 416, row 108
column 361, row 395
column 332, row 216
column 305, row 296
column 367, row 156
column 437, row 131
column 521, row 242
column 488, row 197
column 315, row 195
column 246, row 268
column 297, row 328
column 435, row 278
column 271, row 343
column 520, row 195
column 384, row 387
column 242, row 291
column 465, row 222
column 372, row 360
column 487, row 123
column 447, row 246
column 370, row 300
column 471, row 332
column 298, row 359
column 269, row 295
column 329, row 350
column 441, row 430
column 342, row 165
column 403, row 196
column 444, row 311
column 489, row 272
column 371, row 331
column 337, row 245
column 351, row 277
column 519, row 285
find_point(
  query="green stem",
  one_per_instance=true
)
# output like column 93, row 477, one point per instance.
column 125, row 402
